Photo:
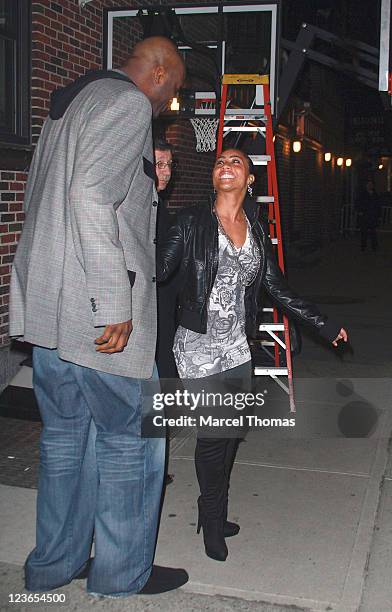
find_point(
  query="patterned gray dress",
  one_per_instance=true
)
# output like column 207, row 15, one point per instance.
column 224, row 346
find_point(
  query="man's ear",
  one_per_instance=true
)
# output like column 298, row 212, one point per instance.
column 159, row 75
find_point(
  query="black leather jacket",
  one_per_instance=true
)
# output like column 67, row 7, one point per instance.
column 192, row 244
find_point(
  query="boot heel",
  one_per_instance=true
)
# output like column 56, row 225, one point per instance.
column 214, row 541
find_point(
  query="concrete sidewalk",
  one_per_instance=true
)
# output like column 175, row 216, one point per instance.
column 315, row 507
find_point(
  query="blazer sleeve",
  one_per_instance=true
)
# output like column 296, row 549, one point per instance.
column 109, row 151
column 291, row 303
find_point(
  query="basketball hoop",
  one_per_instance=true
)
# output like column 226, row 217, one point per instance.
column 205, row 128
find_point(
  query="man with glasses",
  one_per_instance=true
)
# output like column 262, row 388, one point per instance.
column 164, row 165
column 167, row 291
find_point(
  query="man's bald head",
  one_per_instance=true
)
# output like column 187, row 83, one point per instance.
column 157, row 69
column 156, row 49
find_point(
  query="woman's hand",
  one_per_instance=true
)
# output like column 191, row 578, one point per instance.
column 341, row 336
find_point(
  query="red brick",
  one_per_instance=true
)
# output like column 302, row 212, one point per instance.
column 68, row 49
column 37, row 27
column 39, row 55
column 16, row 186
column 7, row 238
column 64, row 38
column 41, row 19
column 54, row 78
column 43, row 38
column 51, row 14
column 59, row 22
column 50, row 49
column 39, row 90
column 38, row 83
column 38, row 112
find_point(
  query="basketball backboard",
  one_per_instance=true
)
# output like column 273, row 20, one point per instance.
column 385, row 63
column 216, row 38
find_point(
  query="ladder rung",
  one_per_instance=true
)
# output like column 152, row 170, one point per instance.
column 240, row 128
column 271, row 326
column 254, row 112
column 260, row 160
column 259, row 371
column 265, row 199
column 267, row 342
column 267, row 309
column 244, row 118
column 245, row 79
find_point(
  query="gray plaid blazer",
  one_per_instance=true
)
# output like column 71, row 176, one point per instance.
column 86, row 257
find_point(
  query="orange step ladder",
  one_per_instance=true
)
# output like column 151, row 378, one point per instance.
column 259, row 119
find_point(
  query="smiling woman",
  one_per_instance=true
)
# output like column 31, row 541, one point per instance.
column 226, row 257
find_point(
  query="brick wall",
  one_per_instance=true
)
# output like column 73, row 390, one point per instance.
column 192, row 180
column 12, row 185
column 66, row 42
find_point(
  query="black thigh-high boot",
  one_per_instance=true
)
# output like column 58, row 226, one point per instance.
column 210, row 456
column 229, row 528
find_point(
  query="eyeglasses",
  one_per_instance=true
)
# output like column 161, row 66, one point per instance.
column 162, row 165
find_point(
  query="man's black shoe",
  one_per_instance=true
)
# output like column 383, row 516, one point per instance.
column 164, row 579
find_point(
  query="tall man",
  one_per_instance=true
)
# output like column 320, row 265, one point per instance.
column 83, row 293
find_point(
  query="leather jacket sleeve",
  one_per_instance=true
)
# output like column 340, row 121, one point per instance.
column 293, row 305
column 170, row 252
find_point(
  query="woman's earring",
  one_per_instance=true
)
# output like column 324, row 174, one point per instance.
column 250, row 190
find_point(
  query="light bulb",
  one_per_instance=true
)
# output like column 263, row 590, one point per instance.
column 297, row 146
column 175, row 105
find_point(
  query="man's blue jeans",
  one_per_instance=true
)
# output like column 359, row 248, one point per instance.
column 97, row 475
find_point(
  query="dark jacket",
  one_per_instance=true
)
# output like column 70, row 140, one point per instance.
column 192, row 244
column 167, row 292
column 369, row 209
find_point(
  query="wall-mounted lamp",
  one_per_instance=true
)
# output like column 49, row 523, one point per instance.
column 380, row 166
column 175, row 105
column 327, row 157
column 349, row 162
column 339, row 161
column 297, row 146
